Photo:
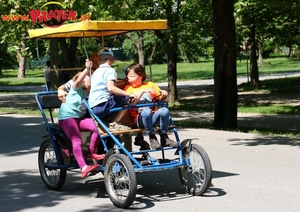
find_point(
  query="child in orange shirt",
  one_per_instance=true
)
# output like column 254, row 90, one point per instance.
column 145, row 117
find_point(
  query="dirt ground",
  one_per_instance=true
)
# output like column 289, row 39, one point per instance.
column 275, row 122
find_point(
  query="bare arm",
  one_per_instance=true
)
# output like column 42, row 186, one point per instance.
column 61, row 93
column 115, row 90
column 79, row 81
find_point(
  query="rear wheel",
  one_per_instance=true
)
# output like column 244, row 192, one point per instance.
column 196, row 178
column 120, row 180
column 53, row 178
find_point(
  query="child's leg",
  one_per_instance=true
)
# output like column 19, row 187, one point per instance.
column 71, row 129
column 118, row 103
column 161, row 119
column 87, row 124
column 145, row 121
column 119, row 116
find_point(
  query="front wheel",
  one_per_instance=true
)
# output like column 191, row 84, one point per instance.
column 53, row 178
column 196, row 178
column 120, row 180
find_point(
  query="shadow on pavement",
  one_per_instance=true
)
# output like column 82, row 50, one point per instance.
column 27, row 134
column 266, row 140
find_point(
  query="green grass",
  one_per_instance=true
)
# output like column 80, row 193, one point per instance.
column 269, row 109
column 282, row 85
column 33, row 112
column 285, row 85
column 185, row 71
column 32, row 78
column 288, row 85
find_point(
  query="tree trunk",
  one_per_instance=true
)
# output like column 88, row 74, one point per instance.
column 260, row 51
column 54, row 57
column 254, row 78
column 225, row 85
column 140, row 48
column 139, row 44
column 68, row 52
column 290, row 52
column 22, row 60
column 172, row 69
column 171, row 49
column 183, row 55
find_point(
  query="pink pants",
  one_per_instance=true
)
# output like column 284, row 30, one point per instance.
column 72, row 128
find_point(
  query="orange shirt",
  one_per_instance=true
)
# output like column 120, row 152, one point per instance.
column 145, row 85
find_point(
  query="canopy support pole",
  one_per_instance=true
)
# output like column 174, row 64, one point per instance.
column 150, row 58
column 38, row 56
column 87, row 56
column 102, row 41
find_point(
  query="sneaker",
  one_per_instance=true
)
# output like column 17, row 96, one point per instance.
column 88, row 169
column 117, row 127
column 139, row 141
column 96, row 156
column 145, row 145
column 166, row 141
column 153, row 142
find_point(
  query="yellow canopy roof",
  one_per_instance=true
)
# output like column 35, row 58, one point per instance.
column 97, row 28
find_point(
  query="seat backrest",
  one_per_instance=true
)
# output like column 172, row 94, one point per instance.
column 49, row 101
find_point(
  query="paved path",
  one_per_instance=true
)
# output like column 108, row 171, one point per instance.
column 251, row 173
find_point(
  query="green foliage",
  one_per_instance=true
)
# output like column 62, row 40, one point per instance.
column 273, row 19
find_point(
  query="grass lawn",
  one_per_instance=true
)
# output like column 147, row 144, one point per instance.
column 185, row 71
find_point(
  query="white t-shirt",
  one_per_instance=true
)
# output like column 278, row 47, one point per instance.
column 99, row 92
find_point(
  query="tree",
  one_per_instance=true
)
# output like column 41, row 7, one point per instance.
column 225, row 90
column 162, row 9
column 14, row 30
column 261, row 20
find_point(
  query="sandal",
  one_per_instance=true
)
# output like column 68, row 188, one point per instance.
column 117, row 127
column 96, row 156
column 89, row 169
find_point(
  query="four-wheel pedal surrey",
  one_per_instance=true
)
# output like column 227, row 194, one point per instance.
column 119, row 166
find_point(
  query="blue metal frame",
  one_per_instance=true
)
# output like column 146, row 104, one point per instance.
column 53, row 130
column 155, row 164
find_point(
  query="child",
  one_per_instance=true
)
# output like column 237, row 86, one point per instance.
column 145, row 117
column 63, row 90
column 72, row 120
column 104, row 95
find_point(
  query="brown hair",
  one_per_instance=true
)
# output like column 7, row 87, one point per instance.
column 138, row 69
column 76, row 76
column 95, row 60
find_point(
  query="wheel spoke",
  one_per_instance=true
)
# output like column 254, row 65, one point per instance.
column 197, row 177
column 53, row 178
column 120, row 180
